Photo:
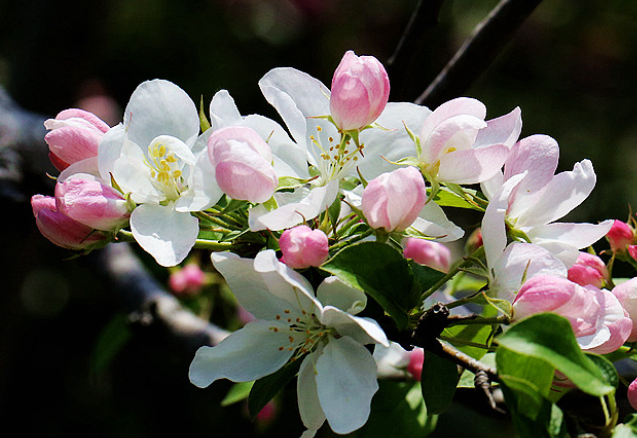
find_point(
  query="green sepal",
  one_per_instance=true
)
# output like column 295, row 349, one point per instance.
column 203, row 120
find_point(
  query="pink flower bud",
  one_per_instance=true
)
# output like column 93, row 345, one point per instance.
column 303, row 247
column 89, row 201
column 243, row 164
column 632, row 251
column 428, row 253
column 626, row 293
column 619, row 236
column 416, row 359
column 393, row 200
column 59, row 228
column 588, row 269
column 360, row 90
column 474, row 241
column 75, row 136
column 187, row 281
column 544, row 293
column 632, row 394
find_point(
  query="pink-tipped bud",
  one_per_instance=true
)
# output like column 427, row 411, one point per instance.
column 632, row 394
column 61, row 229
column 392, row 201
column 428, row 253
column 303, row 247
column 620, row 236
column 626, row 293
column 187, row 281
column 360, row 90
column 416, row 359
column 243, row 164
column 632, row 251
column 474, row 241
column 545, row 293
column 74, row 136
column 90, row 201
column 588, row 269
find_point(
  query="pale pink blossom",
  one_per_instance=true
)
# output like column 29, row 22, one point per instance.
column 530, row 199
column 303, row 247
column 243, row 164
column 61, row 229
column 632, row 394
column 360, row 90
column 392, row 201
column 620, row 236
column 416, row 359
column 428, row 253
column 91, row 201
column 456, row 144
column 626, row 293
column 74, row 136
column 588, row 269
column 187, row 281
column 599, row 322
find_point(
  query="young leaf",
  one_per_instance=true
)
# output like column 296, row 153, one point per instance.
column 438, row 381
column 549, row 337
column 109, row 343
column 238, row 391
column 380, row 271
column 398, row 406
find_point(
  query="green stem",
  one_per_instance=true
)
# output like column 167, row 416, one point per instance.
column 453, row 340
column 351, row 240
column 468, row 261
column 127, row 236
column 501, row 319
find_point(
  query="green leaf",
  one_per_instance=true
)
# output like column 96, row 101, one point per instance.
column 548, row 423
column 398, row 406
column 528, row 376
column 267, row 387
column 606, row 367
column 109, row 343
column 380, row 271
column 446, row 198
column 475, row 333
column 438, row 381
column 549, row 337
column 334, row 212
column 424, row 278
column 238, row 391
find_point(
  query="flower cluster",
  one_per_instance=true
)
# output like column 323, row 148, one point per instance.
column 303, row 221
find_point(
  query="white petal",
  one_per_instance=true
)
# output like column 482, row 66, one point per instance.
column 473, row 165
column 287, row 216
column 203, row 191
column 286, row 283
column 160, row 107
column 309, row 405
column 296, row 96
column 334, row 292
column 248, row 285
column 521, row 261
column 566, row 191
column 579, row 235
column 247, row 354
column 493, row 223
column 346, row 383
column 164, row 233
column 504, row 130
column 110, row 150
column 133, row 175
column 223, row 110
column 433, row 222
column 392, row 142
column 363, row 330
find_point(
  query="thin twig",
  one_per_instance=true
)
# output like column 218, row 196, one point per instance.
column 486, row 41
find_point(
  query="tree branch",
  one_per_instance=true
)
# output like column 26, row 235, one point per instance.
column 479, row 50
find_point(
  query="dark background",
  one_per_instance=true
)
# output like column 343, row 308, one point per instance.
column 571, row 68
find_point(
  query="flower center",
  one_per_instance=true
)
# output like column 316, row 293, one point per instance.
column 337, row 158
column 165, row 172
column 305, row 332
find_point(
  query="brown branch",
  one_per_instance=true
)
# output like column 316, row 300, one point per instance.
column 478, row 52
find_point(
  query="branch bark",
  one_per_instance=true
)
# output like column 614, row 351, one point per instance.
column 478, row 52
